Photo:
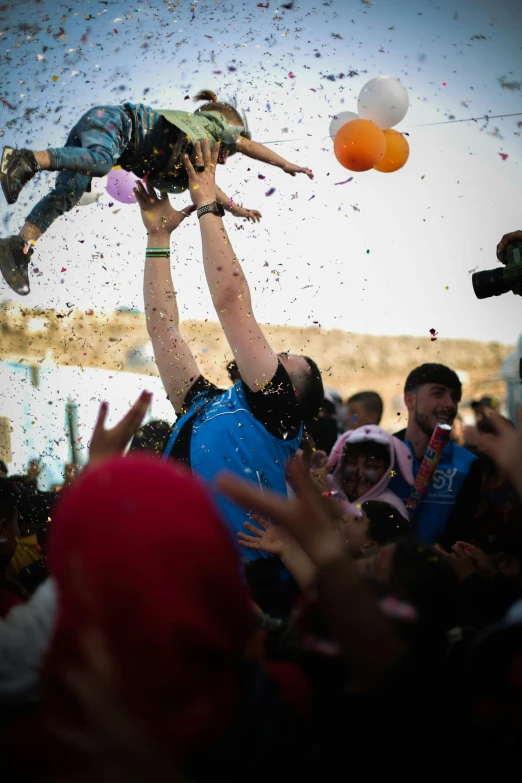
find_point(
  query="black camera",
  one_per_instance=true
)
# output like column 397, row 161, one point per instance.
column 494, row 282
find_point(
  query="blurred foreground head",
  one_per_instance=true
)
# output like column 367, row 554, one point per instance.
column 144, row 563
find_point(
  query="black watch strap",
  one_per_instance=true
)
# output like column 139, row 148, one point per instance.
column 215, row 207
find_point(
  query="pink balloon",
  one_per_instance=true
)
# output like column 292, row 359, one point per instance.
column 120, row 184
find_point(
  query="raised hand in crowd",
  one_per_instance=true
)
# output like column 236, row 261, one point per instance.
column 504, row 446
column 370, row 644
column 106, row 443
column 277, row 541
column 267, row 538
column 304, row 517
column 466, row 559
column 34, row 468
column 158, row 215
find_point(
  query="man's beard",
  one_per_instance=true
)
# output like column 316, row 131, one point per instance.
column 423, row 422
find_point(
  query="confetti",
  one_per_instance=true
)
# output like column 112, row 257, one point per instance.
column 344, row 181
column 291, row 75
column 503, row 155
column 433, row 335
column 270, row 192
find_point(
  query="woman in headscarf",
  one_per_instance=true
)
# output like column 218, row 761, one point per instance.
column 155, row 629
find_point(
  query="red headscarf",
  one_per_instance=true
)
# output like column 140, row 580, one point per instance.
column 139, row 552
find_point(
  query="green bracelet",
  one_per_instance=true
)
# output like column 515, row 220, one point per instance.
column 157, row 251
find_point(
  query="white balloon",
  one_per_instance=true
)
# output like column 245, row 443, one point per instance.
column 341, row 119
column 384, row 100
column 98, row 187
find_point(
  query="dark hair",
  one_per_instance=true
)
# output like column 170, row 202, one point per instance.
column 311, row 394
column 8, row 499
column 152, row 436
column 368, row 448
column 425, row 578
column 370, row 400
column 433, row 373
column 230, row 113
column 233, row 371
column 3, row 466
column 386, row 523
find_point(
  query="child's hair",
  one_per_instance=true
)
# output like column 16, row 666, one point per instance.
column 230, row 113
column 386, row 523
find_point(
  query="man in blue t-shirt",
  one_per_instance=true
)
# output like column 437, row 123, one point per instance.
column 255, row 427
column 432, row 394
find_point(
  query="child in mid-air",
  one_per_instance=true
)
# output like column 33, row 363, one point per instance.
column 147, row 142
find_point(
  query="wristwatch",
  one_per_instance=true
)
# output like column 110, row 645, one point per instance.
column 216, row 208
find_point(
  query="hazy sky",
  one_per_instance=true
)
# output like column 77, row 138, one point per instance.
column 384, row 254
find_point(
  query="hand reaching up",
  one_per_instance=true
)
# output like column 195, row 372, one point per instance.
column 158, row 216
column 266, row 538
column 304, row 517
column 504, row 446
column 106, row 443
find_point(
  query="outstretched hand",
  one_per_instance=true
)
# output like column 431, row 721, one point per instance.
column 106, row 443
column 158, row 216
column 304, row 517
column 202, row 176
column 267, row 538
column 292, row 169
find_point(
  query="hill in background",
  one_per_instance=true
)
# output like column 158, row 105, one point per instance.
column 350, row 362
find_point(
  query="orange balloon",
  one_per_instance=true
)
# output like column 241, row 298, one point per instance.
column 397, row 152
column 359, row 145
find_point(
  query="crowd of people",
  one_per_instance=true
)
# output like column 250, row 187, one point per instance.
column 246, row 594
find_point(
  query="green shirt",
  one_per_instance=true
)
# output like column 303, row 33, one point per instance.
column 194, row 127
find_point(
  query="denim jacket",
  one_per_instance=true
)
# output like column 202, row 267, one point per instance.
column 160, row 138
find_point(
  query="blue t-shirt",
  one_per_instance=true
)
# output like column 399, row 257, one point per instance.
column 436, row 508
column 227, row 436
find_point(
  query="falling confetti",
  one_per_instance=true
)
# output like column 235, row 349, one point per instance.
column 270, row 192
column 503, row 155
column 344, row 181
column 434, row 334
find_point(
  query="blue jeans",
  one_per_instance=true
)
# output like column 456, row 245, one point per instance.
column 91, row 150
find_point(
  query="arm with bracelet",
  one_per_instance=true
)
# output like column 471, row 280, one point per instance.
column 176, row 364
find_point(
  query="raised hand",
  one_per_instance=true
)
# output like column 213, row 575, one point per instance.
column 158, row 216
column 202, row 176
column 505, row 447
column 304, row 517
column 267, row 538
column 106, row 443
column 481, row 560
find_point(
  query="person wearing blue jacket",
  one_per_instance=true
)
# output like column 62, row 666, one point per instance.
column 432, row 394
column 255, row 427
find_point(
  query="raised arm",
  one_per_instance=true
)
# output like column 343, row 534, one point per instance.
column 253, row 149
column 176, row 364
column 256, row 360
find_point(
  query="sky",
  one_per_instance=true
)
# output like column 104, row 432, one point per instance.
column 383, row 254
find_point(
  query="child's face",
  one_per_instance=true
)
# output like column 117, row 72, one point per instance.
column 361, row 472
column 356, row 416
column 354, row 530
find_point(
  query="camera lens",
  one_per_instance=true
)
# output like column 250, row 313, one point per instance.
column 490, row 282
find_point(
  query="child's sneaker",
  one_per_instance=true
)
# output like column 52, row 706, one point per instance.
column 14, row 263
column 16, row 169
